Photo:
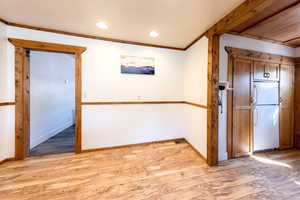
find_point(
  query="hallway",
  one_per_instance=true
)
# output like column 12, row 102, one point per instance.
column 63, row 142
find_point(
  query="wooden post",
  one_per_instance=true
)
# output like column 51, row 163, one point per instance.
column 78, row 102
column 20, row 56
column 212, row 100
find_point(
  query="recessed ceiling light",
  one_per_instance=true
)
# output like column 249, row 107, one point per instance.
column 153, row 34
column 102, row 25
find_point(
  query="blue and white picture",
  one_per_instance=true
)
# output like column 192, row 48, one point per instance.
column 137, row 65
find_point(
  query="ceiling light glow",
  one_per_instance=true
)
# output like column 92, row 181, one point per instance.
column 102, row 25
column 153, row 34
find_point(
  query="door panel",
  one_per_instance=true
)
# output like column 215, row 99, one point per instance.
column 259, row 70
column 242, row 135
column 273, row 69
column 286, row 106
column 242, row 114
column 263, row 71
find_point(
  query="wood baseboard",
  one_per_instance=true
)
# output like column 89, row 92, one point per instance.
column 131, row 145
column 145, row 143
column 7, row 160
column 131, row 102
column 144, row 102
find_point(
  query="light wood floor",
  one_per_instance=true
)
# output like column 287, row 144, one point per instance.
column 157, row 171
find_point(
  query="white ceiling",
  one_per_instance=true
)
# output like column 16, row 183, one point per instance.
column 178, row 21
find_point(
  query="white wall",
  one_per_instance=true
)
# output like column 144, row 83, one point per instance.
column 123, row 124
column 113, row 125
column 244, row 43
column 52, row 94
column 7, row 132
column 195, row 91
column 6, row 112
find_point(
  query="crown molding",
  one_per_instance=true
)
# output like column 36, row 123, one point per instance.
column 88, row 36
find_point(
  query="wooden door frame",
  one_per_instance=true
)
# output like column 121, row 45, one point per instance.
column 234, row 53
column 22, row 133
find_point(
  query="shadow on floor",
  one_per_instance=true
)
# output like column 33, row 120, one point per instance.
column 63, row 142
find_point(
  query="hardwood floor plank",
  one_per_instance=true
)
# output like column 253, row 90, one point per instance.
column 151, row 172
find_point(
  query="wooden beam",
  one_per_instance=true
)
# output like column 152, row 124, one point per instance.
column 295, row 42
column 239, row 15
column 212, row 100
column 20, row 151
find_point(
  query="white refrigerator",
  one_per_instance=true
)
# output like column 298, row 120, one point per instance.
column 266, row 115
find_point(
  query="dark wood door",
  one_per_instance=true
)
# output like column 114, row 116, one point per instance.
column 286, row 113
column 242, row 108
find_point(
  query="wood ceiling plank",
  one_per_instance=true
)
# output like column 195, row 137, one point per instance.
column 241, row 14
column 294, row 42
column 270, row 11
column 281, row 27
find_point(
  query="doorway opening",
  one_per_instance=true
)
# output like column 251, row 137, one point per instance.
column 52, row 102
column 22, row 90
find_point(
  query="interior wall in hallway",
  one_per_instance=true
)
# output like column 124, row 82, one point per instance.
column 195, row 91
column 102, row 81
column 6, row 95
column 52, row 94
